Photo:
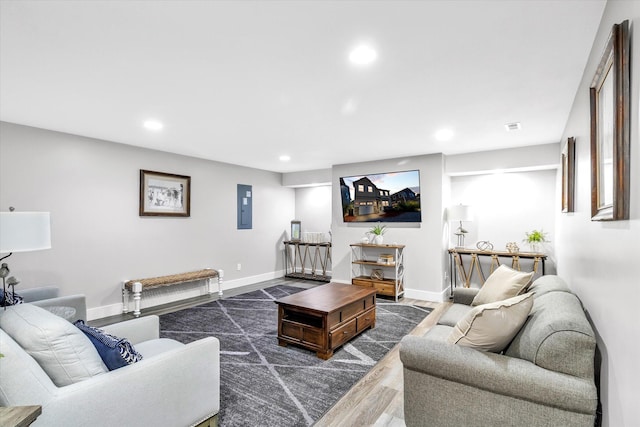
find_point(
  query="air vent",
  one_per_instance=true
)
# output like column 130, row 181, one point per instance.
column 513, row 126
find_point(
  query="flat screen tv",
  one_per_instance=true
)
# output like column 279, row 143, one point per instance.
column 381, row 197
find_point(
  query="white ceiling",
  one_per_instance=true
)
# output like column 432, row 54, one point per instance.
column 245, row 82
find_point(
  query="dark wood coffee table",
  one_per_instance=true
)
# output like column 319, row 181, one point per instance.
column 323, row 318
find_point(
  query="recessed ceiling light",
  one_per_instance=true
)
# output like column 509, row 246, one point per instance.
column 444, row 134
column 513, row 126
column 285, row 158
column 154, row 125
column 363, row 55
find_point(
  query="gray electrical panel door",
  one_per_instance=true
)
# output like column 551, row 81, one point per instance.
column 245, row 207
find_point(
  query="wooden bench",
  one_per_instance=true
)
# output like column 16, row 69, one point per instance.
column 136, row 287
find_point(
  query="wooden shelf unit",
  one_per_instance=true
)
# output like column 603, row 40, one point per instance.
column 365, row 259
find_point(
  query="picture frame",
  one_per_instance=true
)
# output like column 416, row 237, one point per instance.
column 609, row 98
column 568, row 175
column 295, row 230
column 164, row 194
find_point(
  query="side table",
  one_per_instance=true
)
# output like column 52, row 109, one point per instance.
column 19, row 416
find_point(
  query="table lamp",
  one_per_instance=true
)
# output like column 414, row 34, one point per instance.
column 459, row 213
column 21, row 232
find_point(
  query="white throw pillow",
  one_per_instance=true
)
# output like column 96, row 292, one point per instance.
column 503, row 283
column 61, row 349
column 491, row 327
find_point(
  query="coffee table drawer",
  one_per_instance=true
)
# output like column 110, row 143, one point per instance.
column 365, row 320
column 342, row 334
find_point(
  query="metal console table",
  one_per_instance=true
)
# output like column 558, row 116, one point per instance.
column 304, row 260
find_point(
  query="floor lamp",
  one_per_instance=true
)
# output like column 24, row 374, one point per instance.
column 21, row 232
column 459, row 213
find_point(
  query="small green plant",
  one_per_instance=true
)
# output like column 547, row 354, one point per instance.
column 378, row 230
column 536, row 236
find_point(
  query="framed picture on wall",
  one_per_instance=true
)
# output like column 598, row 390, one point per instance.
column 164, row 194
column 610, row 96
column 568, row 175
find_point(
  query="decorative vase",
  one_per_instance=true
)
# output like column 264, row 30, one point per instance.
column 534, row 247
column 378, row 239
column 512, row 247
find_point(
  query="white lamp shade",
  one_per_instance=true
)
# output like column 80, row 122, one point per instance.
column 24, row 231
column 459, row 213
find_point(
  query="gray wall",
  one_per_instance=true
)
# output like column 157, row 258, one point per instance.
column 98, row 239
column 424, row 253
column 600, row 259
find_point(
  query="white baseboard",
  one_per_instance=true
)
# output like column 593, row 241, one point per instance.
column 427, row 295
column 170, row 294
column 104, row 311
column 250, row 280
column 415, row 293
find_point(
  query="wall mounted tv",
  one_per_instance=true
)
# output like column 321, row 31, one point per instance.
column 382, row 197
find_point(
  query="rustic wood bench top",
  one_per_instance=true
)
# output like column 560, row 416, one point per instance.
column 173, row 279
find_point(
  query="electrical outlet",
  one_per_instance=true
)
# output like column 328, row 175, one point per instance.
column 239, row 267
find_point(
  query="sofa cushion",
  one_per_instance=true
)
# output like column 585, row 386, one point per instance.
column 158, row 346
column 61, row 349
column 503, row 283
column 546, row 284
column 491, row 327
column 453, row 314
column 557, row 336
column 115, row 352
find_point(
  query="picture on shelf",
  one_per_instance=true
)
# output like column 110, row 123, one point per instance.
column 383, row 197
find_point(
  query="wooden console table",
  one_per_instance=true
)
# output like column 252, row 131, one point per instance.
column 304, row 260
column 456, row 263
column 325, row 317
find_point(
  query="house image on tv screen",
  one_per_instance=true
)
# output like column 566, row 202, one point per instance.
column 367, row 199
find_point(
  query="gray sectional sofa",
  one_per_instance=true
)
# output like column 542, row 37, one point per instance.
column 545, row 376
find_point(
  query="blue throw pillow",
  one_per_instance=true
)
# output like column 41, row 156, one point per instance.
column 115, row 352
column 10, row 298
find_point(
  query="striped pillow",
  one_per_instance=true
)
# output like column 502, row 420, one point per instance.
column 115, row 352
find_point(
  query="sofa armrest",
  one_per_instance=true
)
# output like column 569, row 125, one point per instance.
column 62, row 306
column 37, row 294
column 180, row 387
column 499, row 374
column 464, row 295
column 136, row 330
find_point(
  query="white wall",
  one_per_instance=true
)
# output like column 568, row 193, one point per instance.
column 313, row 208
column 600, row 259
column 424, row 253
column 91, row 188
column 506, row 205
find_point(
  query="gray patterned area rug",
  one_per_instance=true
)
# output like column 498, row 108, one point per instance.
column 263, row 384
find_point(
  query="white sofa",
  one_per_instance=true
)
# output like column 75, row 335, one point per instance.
column 174, row 385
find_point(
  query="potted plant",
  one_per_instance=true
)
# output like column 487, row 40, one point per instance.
column 535, row 239
column 377, row 232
